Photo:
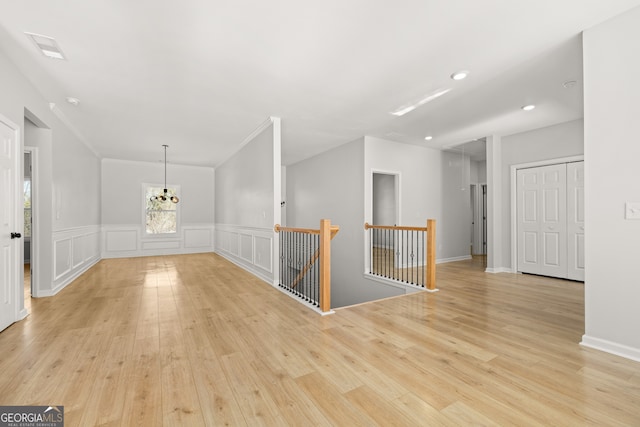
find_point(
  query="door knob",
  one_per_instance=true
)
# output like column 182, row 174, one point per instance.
column 16, row 235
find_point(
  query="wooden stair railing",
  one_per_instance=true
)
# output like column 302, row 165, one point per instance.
column 429, row 253
column 326, row 233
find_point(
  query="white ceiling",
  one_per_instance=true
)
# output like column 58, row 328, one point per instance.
column 201, row 75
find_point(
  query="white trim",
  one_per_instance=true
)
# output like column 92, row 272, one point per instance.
column 78, row 238
column 68, row 280
column 277, row 197
column 149, row 245
column 36, row 237
column 143, row 228
column 513, row 169
column 369, row 209
column 498, row 270
column 63, row 118
column 257, row 131
column 453, row 259
column 69, row 256
column 611, row 347
column 230, row 248
column 229, row 257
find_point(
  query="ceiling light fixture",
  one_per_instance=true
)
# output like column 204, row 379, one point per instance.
column 428, row 98
column 428, row 138
column 47, row 46
column 165, row 194
column 73, row 101
column 528, row 107
column 460, row 75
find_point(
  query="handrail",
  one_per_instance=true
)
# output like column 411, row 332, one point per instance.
column 278, row 228
column 430, row 254
column 367, row 226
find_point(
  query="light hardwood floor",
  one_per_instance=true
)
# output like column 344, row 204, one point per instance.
column 27, row 286
column 193, row 340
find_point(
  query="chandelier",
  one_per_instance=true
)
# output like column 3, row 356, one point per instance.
column 165, row 195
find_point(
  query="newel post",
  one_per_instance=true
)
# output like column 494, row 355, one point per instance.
column 431, row 254
column 325, row 265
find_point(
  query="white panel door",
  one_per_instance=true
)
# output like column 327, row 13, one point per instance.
column 542, row 220
column 575, row 220
column 9, row 245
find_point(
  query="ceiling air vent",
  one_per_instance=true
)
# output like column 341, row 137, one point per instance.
column 46, row 45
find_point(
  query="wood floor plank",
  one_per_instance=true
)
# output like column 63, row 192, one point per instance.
column 194, row 340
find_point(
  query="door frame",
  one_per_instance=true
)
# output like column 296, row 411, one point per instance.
column 35, row 223
column 514, row 204
column 479, row 217
column 369, row 208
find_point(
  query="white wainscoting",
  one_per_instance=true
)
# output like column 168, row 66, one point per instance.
column 123, row 241
column 248, row 247
column 75, row 250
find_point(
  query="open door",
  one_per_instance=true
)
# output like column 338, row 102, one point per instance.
column 10, row 223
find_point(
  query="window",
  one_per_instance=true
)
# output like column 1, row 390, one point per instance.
column 160, row 217
column 27, row 206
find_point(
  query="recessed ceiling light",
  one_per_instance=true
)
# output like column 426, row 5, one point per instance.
column 427, row 98
column 48, row 46
column 528, row 107
column 459, row 75
column 428, row 138
column 73, row 101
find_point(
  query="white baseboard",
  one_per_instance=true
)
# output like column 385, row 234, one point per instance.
column 67, row 280
column 246, row 266
column 498, row 270
column 453, row 259
column 611, row 347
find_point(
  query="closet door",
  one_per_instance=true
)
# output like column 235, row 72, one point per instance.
column 542, row 220
column 575, row 220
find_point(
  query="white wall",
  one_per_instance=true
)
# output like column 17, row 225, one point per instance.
column 123, row 208
column 558, row 141
column 248, row 195
column 70, row 219
column 612, row 178
column 455, row 223
column 384, row 199
column 431, row 183
column 478, row 173
column 338, row 185
column 419, row 172
column 330, row 186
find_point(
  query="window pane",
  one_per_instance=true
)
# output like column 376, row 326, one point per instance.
column 161, row 216
column 161, row 222
column 27, row 223
column 155, row 205
column 27, row 207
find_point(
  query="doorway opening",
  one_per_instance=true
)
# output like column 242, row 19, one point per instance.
column 478, row 193
column 386, row 206
column 385, row 210
column 28, row 237
column 37, row 155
